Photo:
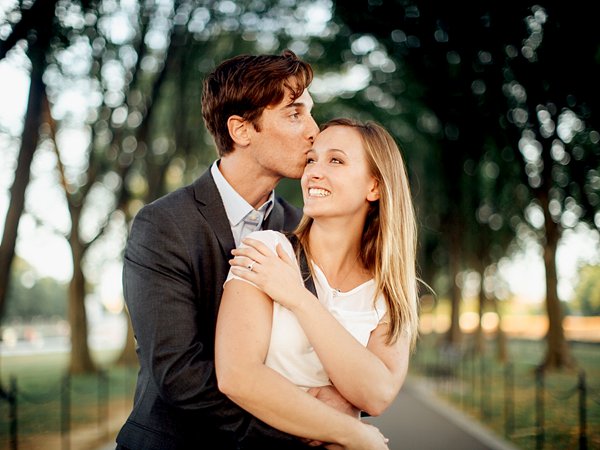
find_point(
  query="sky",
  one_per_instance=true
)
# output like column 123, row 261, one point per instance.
column 48, row 252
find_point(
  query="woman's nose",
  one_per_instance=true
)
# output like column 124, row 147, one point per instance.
column 313, row 170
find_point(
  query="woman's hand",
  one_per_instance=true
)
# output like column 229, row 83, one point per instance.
column 277, row 275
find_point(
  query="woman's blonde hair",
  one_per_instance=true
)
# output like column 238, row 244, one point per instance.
column 389, row 239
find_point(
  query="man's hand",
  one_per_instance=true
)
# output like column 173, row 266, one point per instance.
column 332, row 397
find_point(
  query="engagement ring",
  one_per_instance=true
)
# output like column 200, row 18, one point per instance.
column 250, row 266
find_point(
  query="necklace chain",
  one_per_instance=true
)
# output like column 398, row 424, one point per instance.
column 338, row 290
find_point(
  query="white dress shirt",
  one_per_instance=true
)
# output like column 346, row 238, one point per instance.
column 243, row 218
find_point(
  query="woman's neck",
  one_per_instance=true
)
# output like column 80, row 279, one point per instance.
column 336, row 250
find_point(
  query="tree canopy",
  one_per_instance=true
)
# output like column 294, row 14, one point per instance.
column 494, row 105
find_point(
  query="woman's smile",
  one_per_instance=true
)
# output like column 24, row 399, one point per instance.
column 318, row 192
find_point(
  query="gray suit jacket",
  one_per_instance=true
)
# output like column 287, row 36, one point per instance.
column 174, row 268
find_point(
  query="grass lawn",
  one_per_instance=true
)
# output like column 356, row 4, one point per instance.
column 509, row 398
column 52, row 407
column 503, row 397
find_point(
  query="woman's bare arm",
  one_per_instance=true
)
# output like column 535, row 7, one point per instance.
column 382, row 367
column 242, row 340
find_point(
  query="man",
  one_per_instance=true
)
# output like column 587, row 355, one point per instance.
column 259, row 111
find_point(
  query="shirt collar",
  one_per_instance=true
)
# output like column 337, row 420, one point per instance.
column 236, row 207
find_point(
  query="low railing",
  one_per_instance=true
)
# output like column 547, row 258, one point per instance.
column 515, row 398
column 74, row 400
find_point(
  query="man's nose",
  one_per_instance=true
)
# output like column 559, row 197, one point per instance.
column 313, row 129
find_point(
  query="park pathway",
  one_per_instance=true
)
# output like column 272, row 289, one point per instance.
column 418, row 420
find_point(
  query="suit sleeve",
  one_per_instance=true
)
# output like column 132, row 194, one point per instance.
column 163, row 305
column 174, row 329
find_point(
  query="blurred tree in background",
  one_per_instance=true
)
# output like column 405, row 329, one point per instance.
column 38, row 298
column 38, row 25
column 511, row 88
column 494, row 105
column 587, row 295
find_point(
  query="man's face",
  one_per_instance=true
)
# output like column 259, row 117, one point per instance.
column 287, row 131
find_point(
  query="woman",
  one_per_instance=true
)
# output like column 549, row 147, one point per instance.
column 359, row 236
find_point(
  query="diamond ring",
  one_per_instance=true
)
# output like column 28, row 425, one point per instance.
column 250, row 266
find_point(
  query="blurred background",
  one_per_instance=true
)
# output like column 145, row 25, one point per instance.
column 496, row 108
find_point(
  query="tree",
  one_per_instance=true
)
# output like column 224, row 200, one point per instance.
column 587, row 293
column 441, row 47
column 36, row 27
column 30, row 297
column 554, row 108
column 490, row 73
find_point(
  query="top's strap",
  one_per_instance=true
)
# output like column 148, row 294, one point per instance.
column 304, row 269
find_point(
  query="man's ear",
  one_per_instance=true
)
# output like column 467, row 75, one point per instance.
column 373, row 194
column 238, row 130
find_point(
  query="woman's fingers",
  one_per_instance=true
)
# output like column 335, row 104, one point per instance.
column 242, row 261
column 247, row 252
column 257, row 245
column 282, row 254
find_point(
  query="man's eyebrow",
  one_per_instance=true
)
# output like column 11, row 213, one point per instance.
column 296, row 104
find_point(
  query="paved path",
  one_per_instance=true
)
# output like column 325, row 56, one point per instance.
column 420, row 421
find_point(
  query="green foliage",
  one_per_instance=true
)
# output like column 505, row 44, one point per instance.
column 587, row 293
column 485, row 97
column 30, row 298
column 475, row 96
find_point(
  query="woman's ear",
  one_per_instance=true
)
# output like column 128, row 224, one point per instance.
column 373, row 194
column 238, row 130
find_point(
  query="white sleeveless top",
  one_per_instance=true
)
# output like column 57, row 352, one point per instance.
column 290, row 352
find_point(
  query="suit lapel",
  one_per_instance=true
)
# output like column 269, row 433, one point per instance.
column 275, row 219
column 211, row 207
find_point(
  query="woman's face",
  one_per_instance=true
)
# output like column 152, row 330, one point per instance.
column 336, row 180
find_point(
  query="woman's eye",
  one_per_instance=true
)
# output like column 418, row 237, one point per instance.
column 310, row 160
column 336, row 161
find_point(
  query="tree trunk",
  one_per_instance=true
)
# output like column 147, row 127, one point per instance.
column 501, row 344
column 479, row 338
column 453, row 336
column 155, row 171
column 81, row 361
column 558, row 354
column 29, row 142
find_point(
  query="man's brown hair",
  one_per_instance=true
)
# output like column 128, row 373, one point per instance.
column 245, row 85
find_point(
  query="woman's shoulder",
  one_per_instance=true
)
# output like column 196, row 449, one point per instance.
column 271, row 238
column 268, row 235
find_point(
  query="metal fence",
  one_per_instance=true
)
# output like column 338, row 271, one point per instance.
column 83, row 399
column 515, row 399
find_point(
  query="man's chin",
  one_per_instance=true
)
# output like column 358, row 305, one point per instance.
column 295, row 175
